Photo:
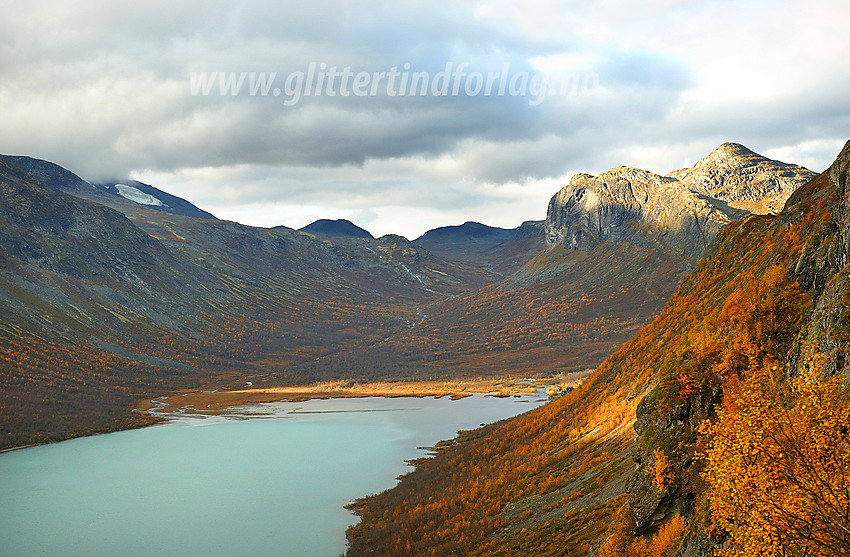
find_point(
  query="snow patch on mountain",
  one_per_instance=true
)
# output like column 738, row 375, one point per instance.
column 135, row 194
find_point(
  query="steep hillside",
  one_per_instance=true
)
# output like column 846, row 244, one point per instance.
column 607, row 468
column 44, row 227
column 67, row 269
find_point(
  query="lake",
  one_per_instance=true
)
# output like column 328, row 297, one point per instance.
column 266, row 479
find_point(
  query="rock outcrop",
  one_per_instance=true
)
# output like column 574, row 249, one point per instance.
column 631, row 205
column 822, row 271
column 681, row 212
column 744, row 179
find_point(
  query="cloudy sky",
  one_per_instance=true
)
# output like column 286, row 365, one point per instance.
column 112, row 90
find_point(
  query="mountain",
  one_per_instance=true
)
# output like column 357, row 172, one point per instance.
column 630, row 205
column 127, row 196
column 45, row 228
column 744, row 179
column 501, row 250
column 680, row 212
column 468, row 231
column 152, row 197
column 612, row 468
column 340, row 228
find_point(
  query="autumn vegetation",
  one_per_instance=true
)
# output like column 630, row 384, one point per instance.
column 107, row 310
column 778, row 464
column 740, row 448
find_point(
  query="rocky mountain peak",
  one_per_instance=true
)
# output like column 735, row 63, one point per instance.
column 628, row 204
column 744, row 179
column 729, row 150
column 681, row 212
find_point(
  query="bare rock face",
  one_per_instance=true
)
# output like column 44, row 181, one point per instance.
column 822, row 270
column 631, row 205
column 681, row 212
column 744, row 179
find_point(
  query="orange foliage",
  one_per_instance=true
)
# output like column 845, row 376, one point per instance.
column 737, row 307
column 778, row 465
column 664, row 543
column 663, row 471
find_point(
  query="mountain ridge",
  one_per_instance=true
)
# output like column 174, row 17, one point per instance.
column 470, row 229
column 62, row 179
column 680, row 212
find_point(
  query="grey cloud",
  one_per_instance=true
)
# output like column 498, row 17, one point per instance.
column 167, row 40
column 103, row 88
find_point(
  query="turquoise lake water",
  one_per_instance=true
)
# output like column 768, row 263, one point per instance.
column 269, row 479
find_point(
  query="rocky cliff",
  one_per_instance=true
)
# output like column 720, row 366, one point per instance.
column 681, row 212
column 822, row 269
column 815, row 230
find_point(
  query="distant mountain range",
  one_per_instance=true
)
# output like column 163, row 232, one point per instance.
column 116, row 291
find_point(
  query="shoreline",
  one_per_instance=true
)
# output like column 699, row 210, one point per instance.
column 216, row 402
column 19, row 447
column 404, row 460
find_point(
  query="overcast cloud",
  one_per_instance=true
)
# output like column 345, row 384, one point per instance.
column 104, row 90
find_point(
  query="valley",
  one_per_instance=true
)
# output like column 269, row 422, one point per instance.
column 512, row 278
column 106, row 301
column 115, row 313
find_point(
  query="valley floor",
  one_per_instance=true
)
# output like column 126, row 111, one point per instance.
column 217, row 401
